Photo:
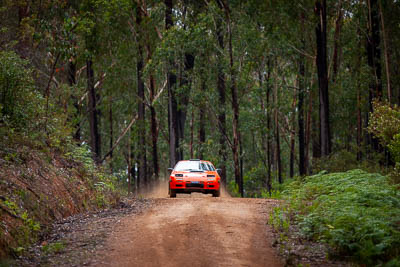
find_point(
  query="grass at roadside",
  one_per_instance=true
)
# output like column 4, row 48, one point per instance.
column 357, row 214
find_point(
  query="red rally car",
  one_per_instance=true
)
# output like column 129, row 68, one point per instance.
column 194, row 176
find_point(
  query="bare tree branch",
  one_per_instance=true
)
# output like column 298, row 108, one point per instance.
column 120, row 138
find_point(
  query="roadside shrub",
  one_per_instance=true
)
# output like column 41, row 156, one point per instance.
column 278, row 190
column 344, row 160
column 254, row 180
column 20, row 103
column 104, row 184
column 385, row 125
column 356, row 213
column 233, row 189
column 384, row 122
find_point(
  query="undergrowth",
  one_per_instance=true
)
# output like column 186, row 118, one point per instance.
column 357, row 214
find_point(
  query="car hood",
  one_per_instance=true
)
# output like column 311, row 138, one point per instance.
column 195, row 174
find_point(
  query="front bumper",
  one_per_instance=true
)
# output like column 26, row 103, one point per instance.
column 194, row 186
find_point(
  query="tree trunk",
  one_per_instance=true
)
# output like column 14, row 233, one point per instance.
column 386, row 52
column 315, row 136
column 269, row 142
column 129, row 160
column 241, row 166
column 24, row 10
column 191, row 134
column 263, row 130
column 72, row 83
column 93, row 113
column 336, row 41
column 373, row 49
column 359, row 124
column 154, row 130
column 153, row 114
column 202, row 130
column 277, row 138
column 177, row 116
column 292, row 136
column 172, row 120
column 222, row 152
column 110, row 119
column 292, row 151
column 308, row 134
column 359, row 114
column 398, row 93
column 374, row 55
column 300, row 106
column 265, row 133
column 320, row 30
column 183, row 100
column 172, row 103
column 142, row 170
column 300, row 119
column 133, row 159
column 235, row 108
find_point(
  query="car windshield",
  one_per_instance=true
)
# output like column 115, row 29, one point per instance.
column 210, row 167
column 204, row 166
column 188, row 166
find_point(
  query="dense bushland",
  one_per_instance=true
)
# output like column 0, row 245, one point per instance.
column 355, row 213
column 44, row 174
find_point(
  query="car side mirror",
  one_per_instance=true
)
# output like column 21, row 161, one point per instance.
column 170, row 169
column 219, row 171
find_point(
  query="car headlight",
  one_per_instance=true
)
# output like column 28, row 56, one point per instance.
column 177, row 176
column 210, row 177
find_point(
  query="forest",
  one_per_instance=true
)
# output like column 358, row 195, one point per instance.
column 276, row 93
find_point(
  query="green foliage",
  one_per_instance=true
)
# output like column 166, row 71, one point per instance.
column 22, row 108
column 233, row 189
column 103, row 183
column 279, row 219
column 385, row 122
column 344, row 160
column 27, row 232
column 101, row 201
column 385, row 125
column 394, row 147
column 254, row 180
column 20, row 103
column 53, row 248
column 356, row 213
column 11, row 206
column 81, row 154
column 278, row 190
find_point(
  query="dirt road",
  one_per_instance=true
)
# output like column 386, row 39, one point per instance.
column 191, row 230
column 194, row 231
